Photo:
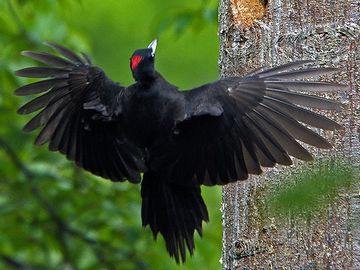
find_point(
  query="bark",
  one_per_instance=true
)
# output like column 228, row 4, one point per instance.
column 329, row 32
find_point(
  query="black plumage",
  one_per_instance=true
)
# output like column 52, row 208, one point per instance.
column 212, row 135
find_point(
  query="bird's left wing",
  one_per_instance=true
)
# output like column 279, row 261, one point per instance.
column 235, row 126
column 80, row 114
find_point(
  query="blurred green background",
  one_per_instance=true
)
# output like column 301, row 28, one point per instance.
column 54, row 215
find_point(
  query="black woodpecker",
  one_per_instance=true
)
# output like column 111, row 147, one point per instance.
column 214, row 134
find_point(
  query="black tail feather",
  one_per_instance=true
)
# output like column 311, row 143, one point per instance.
column 175, row 211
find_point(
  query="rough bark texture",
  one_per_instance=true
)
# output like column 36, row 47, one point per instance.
column 329, row 32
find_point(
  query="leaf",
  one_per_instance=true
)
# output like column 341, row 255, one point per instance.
column 312, row 190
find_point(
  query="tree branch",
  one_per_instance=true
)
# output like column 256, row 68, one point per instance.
column 15, row 263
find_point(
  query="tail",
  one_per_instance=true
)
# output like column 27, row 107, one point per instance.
column 175, row 211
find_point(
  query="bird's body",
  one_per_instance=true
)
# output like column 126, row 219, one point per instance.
column 212, row 135
column 154, row 107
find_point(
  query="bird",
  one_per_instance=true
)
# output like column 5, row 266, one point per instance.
column 171, row 141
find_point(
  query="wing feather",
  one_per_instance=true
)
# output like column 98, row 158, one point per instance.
column 91, row 135
column 303, row 99
column 260, row 123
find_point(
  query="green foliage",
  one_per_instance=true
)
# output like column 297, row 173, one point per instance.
column 191, row 17
column 54, row 215
column 312, row 190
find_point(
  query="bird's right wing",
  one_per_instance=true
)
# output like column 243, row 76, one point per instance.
column 80, row 114
column 235, row 126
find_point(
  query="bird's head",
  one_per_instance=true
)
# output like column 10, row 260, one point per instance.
column 142, row 62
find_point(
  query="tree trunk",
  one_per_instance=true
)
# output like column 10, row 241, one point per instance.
column 327, row 31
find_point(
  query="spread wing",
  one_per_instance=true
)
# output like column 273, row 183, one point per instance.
column 235, row 126
column 80, row 114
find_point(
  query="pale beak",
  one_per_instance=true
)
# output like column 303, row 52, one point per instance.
column 152, row 46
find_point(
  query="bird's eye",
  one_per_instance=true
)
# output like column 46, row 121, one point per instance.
column 135, row 60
